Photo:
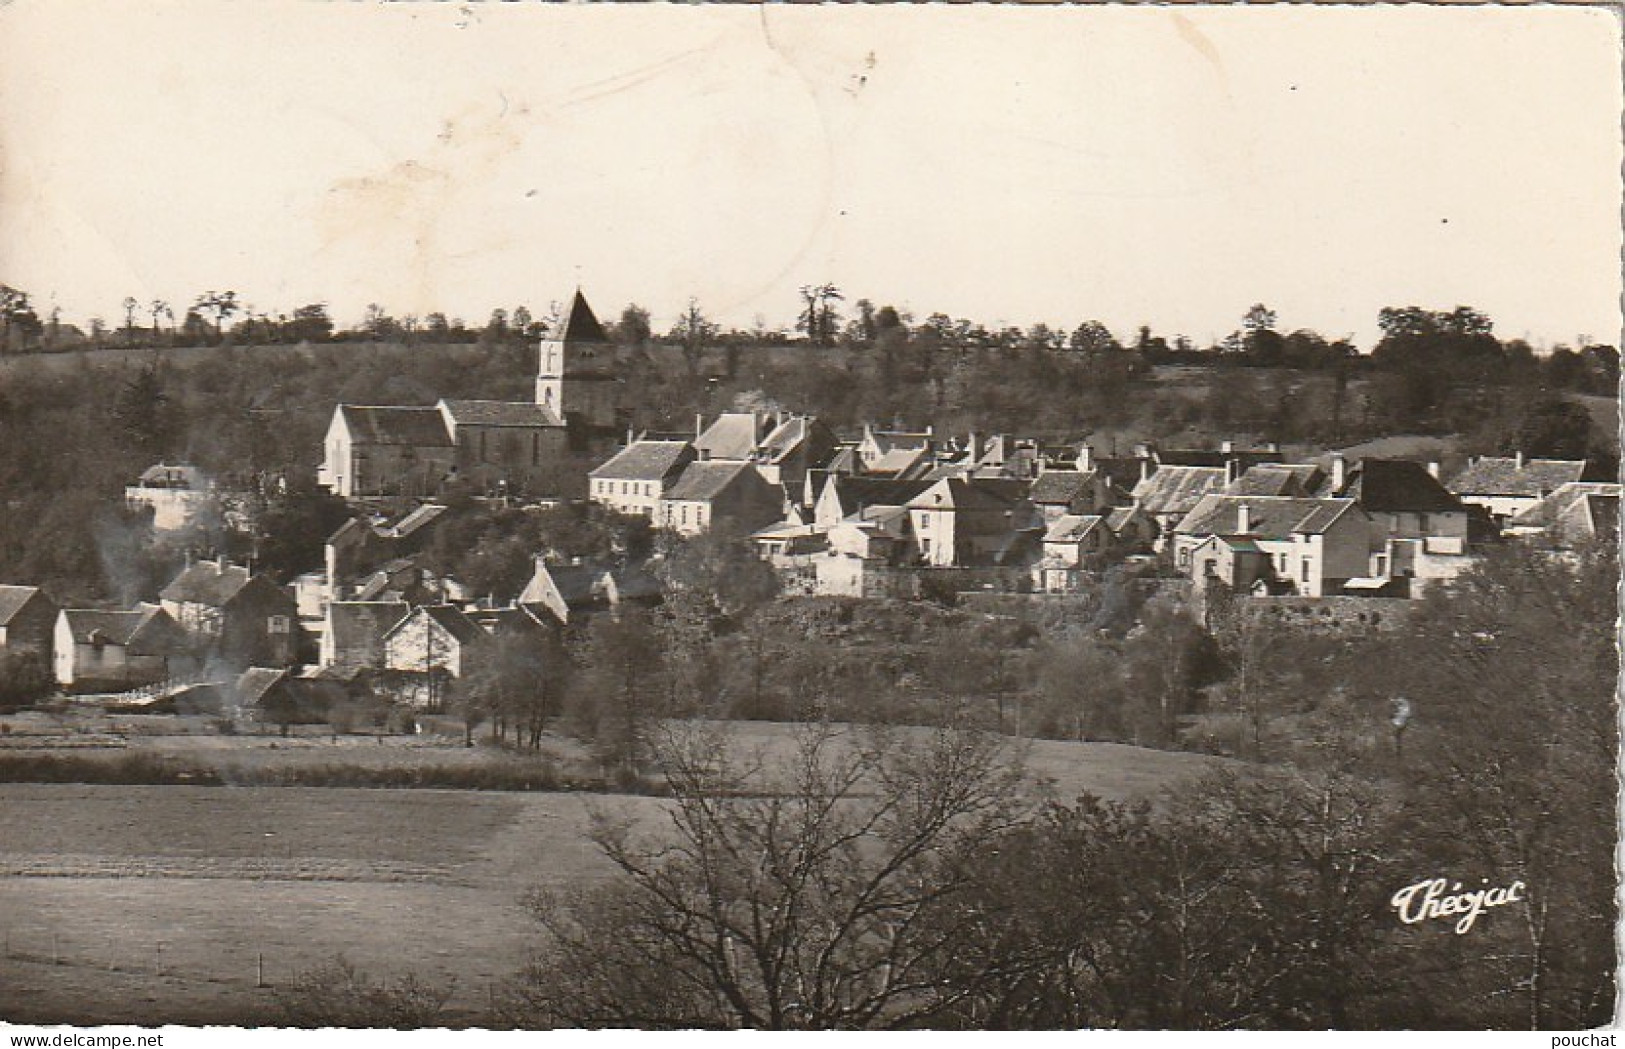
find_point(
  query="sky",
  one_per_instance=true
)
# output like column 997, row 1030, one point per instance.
column 1011, row 164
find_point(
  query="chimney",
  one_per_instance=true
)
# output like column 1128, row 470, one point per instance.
column 1244, row 520
column 1232, row 469
column 1433, row 469
column 974, row 448
column 1517, row 459
column 1339, row 472
column 699, row 424
column 1272, row 446
column 1227, row 446
column 1086, row 458
column 1145, row 467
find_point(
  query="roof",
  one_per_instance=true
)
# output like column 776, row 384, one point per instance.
column 1494, row 475
column 450, row 618
column 855, row 492
column 12, row 600
column 178, row 476
column 255, row 682
column 704, row 481
column 958, row 493
column 145, row 630
column 574, row 583
column 362, row 624
column 896, row 440
column 1277, row 479
column 1397, row 485
column 419, row 427
column 1119, row 518
column 501, row 413
column 1060, row 486
column 581, row 324
column 1246, row 459
column 211, row 583
column 1069, row 528
column 645, row 461
column 1177, row 489
column 1268, row 517
column 793, row 433
column 1561, row 500
column 414, row 520
column 734, row 436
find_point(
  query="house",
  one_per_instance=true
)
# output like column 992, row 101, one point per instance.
column 732, row 438
column 1058, row 493
column 179, row 496
column 353, row 634
column 277, row 696
column 972, row 522
column 363, row 546
column 1305, row 546
column 1507, row 486
column 1169, row 495
column 240, row 617
column 498, row 446
column 27, row 620
column 1072, row 543
column 560, row 591
column 730, row 496
column 843, row 496
column 432, row 646
column 1294, row 479
column 95, row 650
column 1132, row 528
column 1419, row 529
column 1575, row 514
column 797, row 445
column 635, row 479
column 895, row 453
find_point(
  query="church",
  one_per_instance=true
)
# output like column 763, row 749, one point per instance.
column 514, row 447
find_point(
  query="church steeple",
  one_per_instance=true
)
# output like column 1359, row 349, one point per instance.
column 575, row 369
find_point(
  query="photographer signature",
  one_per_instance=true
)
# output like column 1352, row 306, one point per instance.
column 1428, row 898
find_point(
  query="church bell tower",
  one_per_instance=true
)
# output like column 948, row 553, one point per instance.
column 575, row 373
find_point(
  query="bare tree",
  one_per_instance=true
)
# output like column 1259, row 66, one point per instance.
column 815, row 905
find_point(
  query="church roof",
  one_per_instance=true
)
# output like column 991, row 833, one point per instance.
column 500, row 413
column 580, row 325
column 419, row 427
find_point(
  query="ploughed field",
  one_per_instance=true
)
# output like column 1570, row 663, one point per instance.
column 167, row 904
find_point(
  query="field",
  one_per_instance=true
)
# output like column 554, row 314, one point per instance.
column 160, row 904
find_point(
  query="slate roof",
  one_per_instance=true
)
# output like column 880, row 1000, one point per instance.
column 581, row 325
column 1246, row 459
column 1494, row 475
column 1395, row 486
column 1561, row 500
column 1060, row 486
column 419, row 427
column 501, row 413
column 856, row 492
column 255, row 682
column 733, row 436
column 1268, row 517
column 451, row 619
column 1177, row 489
column 12, row 600
column 1603, row 510
column 645, row 461
column 704, row 481
column 146, row 630
column 1277, row 479
column 1070, row 528
column 784, row 438
column 958, row 493
column 1118, row 519
column 209, row 583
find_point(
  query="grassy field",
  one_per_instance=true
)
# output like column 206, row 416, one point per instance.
column 155, row 904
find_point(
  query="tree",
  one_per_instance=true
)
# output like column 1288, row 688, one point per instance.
column 159, row 308
column 17, row 319
column 820, row 319
column 633, row 329
column 337, row 994
column 515, row 681
column 693, row 332
column 223, row 304
column 311, row 323
column 1093, row 338
column 614, row 703
column 130, row 306
column 814, row 907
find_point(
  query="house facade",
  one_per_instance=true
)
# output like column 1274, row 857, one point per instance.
column 1306, row 546
column 1508, row 485
column 246, row 619
column 27, row 621
column 639, row 475
column 731, row 496
column 96, row 650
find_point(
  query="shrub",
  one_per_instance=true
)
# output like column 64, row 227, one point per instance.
column 336, row 994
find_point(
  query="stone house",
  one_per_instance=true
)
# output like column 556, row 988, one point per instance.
column 731, row 496
column 1507, row 486
column 27, row 621
column 354, row 631
column 639, row 475
column 95, row 650
column 242, row 618
column 179, row 496
column 962, row 522
column 1310, row 547
column 1419, row 529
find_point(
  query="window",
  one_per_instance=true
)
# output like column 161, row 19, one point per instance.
column 1306, row 570
column 1421, row 522
column 1381, row 565
column 535, row 449
column 1184, row 559
column 276, row 625
column 685, row 515
column 626, row 488
column 925, row 522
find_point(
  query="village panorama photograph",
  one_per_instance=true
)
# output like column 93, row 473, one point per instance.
column 1021, row 517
